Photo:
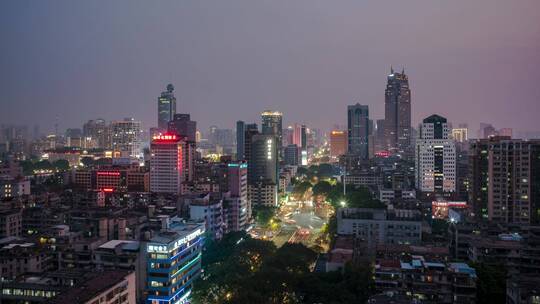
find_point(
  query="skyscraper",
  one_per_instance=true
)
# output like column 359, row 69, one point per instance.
column 358, row 130
column 263, row 160
column 166, row 107
column 240, row 139
column 272, row 125
column 397, row 113
column 435, row 165
column 263, row 170
column 249, row 132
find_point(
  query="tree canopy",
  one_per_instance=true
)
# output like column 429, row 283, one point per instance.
column 239, row 269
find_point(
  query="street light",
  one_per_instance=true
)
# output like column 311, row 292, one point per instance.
column 343, row 203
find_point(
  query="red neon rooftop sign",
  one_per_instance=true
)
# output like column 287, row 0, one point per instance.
column 165, row 137
column 108, row 173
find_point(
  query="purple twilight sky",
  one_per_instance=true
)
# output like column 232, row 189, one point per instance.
column 471, row 61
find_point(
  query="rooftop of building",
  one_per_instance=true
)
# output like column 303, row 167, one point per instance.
column 177, row 229
column 91, row 288
column 124, row 244
column 380, row 214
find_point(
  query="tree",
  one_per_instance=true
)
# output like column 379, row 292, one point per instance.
column 87, row 161
column 61, row 165
column 326, row 170
column 361, row 197
column 241, row 270
column 491, row 284
column 263, row 215
column 301, row 188
column 322, row 188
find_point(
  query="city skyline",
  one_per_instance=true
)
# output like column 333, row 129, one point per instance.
column 468, row 72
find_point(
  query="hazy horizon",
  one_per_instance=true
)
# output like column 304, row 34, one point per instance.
column 471, row 62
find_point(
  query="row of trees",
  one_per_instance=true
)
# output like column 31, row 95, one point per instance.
column 332, row 192
column 239, row 269
column 30, row 166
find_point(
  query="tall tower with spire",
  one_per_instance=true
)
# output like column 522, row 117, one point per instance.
column 166, row 107
column 397, row 113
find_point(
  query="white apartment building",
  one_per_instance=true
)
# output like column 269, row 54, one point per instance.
column 435, row 157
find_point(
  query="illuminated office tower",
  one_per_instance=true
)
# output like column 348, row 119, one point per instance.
column 397, row 113
column 358, row 130
column 167, row 163
column 263, row 170
column 263, row 161
column 126, row 137
column 166, row 107
column 173, row 261
column 435, row 165
column 272, row 125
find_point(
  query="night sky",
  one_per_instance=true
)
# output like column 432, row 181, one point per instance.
column 471, row 61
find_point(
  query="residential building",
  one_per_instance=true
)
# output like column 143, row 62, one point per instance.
column 505, row 179
column 381, row 226
column 126, row 138
column 435, row 164
column 111, row 287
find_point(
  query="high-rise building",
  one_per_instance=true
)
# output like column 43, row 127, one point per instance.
column 182, row 125
column 291, row 155
column 460, row 135
column 263, row 170
column 272, row 125
column 303, row 150
column 238, row 208
column 486, row 130
column 358, row 130
column 298, row 134
column 97, row 132
column 126, row 137
column 435, row 165
column 240, row 139
column 263, row 162
column 288, row 135
column 338, row 143
column 378, row 136
column 250, row 131
column 166, row 107
column 505, row 132
column 174, row 261
column 397, row 113
column 505, row 180
column 167, row 163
